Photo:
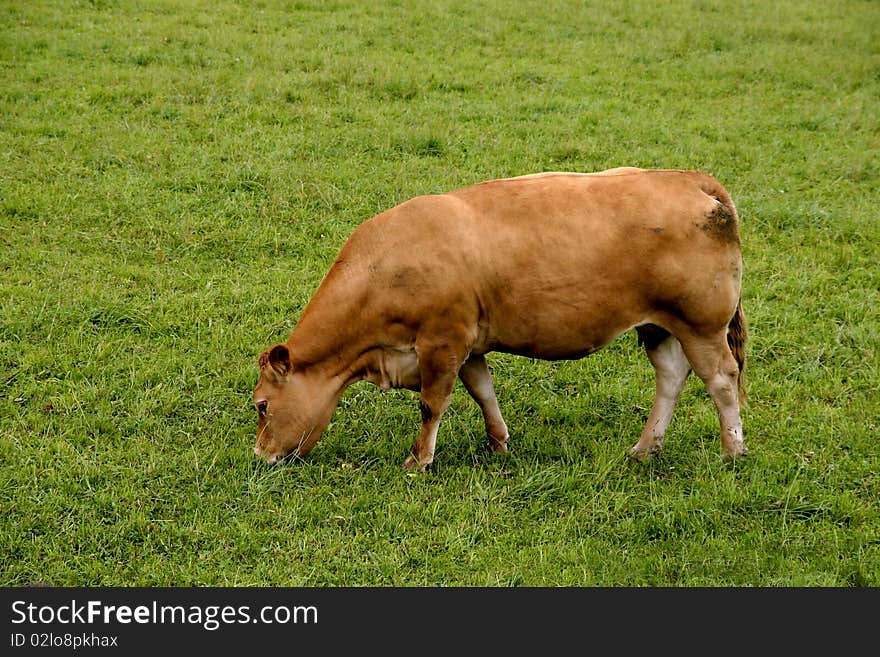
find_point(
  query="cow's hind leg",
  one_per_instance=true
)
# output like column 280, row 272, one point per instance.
column 671, row 368
column 716, row 365
column 438, row 367
column 477, row 380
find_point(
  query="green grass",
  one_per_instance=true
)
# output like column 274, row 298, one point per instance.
column 176, row 178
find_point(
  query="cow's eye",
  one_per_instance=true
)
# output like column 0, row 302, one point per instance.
column 262, row 407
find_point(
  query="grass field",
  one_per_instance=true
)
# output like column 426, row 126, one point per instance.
column 177, row 177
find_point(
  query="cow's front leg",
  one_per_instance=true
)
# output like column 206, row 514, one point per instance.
column 477, row 380
column 438, row 367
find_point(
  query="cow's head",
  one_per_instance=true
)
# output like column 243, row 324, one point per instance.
column 293, row 407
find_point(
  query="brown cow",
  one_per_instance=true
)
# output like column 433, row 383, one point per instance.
column 551, row 266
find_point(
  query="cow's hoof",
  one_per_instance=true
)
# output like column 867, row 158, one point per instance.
column 642, row 454
column 412, row 464
column 731, row 455
column 499, row 446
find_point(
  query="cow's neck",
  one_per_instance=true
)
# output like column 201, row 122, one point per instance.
column 332, row 333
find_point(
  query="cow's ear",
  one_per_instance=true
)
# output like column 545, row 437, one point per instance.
column 278, row 358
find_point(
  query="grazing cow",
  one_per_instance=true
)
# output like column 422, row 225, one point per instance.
column 551, row 266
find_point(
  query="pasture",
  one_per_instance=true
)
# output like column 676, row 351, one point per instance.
column 177, row 177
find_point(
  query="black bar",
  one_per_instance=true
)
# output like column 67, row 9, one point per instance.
column 547, row 620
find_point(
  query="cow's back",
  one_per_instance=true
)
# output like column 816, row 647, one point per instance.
column 566, row 262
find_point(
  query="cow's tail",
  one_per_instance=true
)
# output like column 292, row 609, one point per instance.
column 737, row 334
